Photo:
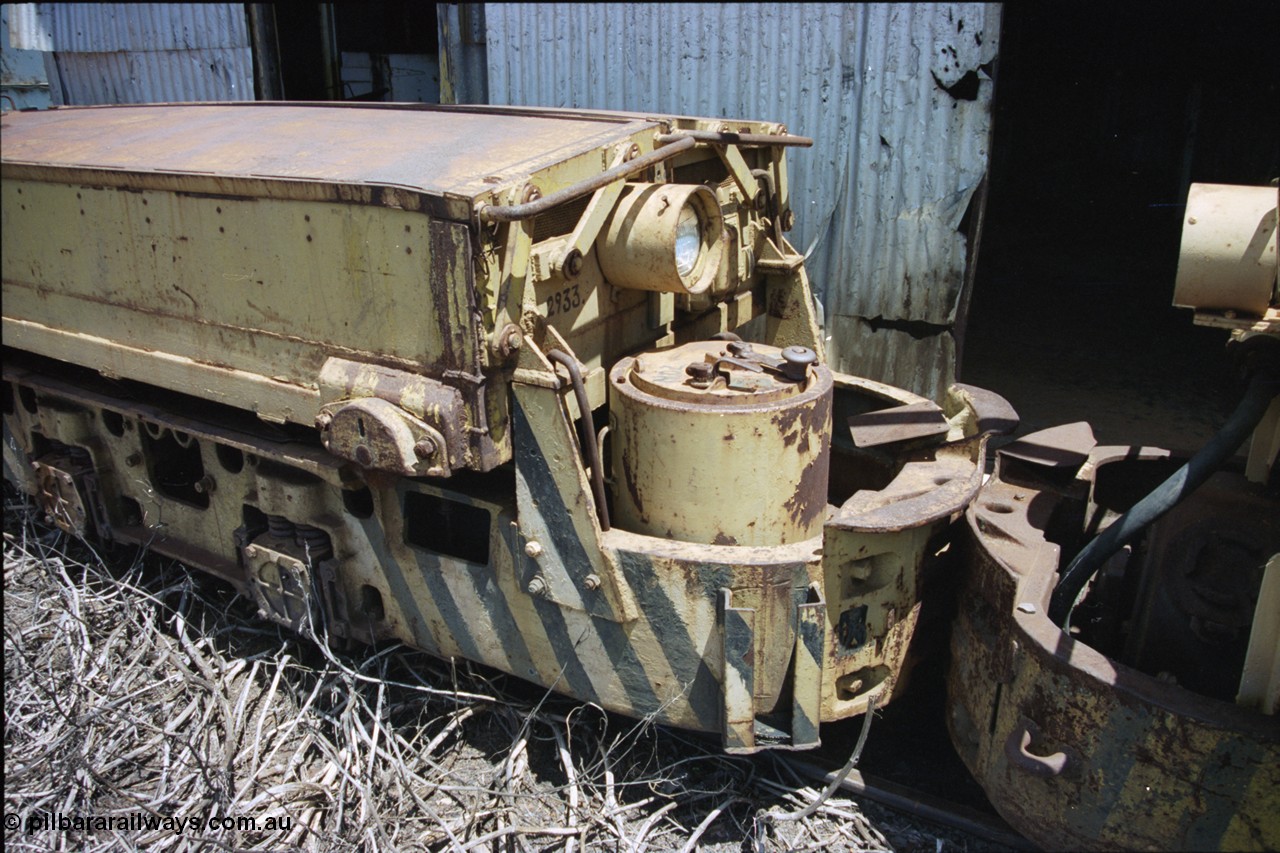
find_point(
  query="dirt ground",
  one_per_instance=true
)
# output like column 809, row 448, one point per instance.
column 1067, row 336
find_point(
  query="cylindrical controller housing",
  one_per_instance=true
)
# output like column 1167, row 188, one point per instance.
column 739, row 458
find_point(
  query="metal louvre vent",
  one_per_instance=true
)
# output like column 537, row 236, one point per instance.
column 560, row 220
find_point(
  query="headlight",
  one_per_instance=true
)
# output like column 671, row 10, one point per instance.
column 663, row 237
column 688, row 241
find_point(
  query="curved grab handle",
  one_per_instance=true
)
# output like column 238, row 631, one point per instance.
column 1015, row 749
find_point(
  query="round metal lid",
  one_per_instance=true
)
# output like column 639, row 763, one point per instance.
column 723, row 372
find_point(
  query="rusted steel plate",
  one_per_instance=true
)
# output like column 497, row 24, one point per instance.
column 901, row 423
column 469, row 154
column 932, row 485
column 1063, row 447
column 993, row 413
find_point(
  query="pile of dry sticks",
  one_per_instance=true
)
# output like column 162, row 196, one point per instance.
column 148, row 707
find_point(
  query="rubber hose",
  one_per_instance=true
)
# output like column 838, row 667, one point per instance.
column 586, row 435
column 1257, row 398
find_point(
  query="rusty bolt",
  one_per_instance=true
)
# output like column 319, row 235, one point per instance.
column 700, row 373
column 323, row 420
column 509, row 340
column 573, row 263
column 424, row 448
column 537, row 586
column 741, row 349
column 364, row 458
column 533, row 548
column 632, row 153
column 205, row 485
column 797, row 361
column 591, row 581
column 531, row 193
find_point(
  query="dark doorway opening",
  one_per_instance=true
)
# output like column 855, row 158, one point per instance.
column 1103, row 117
column 375, row 51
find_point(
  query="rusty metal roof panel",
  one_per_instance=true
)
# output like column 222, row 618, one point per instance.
column 111, row 27
column 431, row 150
column 896, row 96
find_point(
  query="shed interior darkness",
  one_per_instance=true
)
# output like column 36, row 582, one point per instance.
column 1103, row 117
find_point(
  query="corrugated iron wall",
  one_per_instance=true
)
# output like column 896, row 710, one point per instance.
column 129, row 53
column 897, row 98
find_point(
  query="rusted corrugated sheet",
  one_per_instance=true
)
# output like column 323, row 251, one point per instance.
column 108, row 27
column 24, row 83
column 897, row 98
column 122, row 53
column 157, row 76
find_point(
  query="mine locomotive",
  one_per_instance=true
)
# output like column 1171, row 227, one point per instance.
column 541, row 389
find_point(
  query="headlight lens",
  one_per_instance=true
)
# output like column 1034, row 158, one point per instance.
column 688, row 241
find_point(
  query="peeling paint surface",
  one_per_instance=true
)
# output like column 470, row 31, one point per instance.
column 897, row 98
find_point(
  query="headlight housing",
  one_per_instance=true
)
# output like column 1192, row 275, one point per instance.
column 665, row 237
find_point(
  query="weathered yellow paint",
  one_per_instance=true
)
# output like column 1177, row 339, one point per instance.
column 266, row 287
column 706, row 465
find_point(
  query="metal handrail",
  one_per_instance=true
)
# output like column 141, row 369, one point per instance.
column 517, row 212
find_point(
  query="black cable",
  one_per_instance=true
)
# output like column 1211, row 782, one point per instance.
column 585, row 434
column 1263, row 386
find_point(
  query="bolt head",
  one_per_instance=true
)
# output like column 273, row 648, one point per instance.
column 424, row 448
column 573, row 263
column 533, row 549
column 591, row 581
column 509, row 340
column 537, row 586
column 323, row 420
column 364, row 457
column 699, row 371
